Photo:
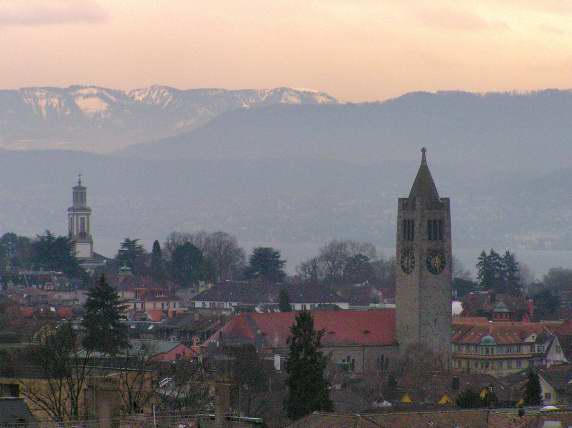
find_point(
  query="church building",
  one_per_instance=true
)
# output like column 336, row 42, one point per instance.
column 79, row 229
column 371, row 340
column 79, row 222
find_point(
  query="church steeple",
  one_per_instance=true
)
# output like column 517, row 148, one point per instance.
column 424, row 186
column 79, row 222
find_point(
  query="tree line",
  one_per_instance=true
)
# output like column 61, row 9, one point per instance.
column 46, row 252
column 188, row 259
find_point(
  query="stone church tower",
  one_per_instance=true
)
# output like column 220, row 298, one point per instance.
column 424, row 258
column 79, row 222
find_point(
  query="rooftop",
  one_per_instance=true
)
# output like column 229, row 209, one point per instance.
column 374, row 327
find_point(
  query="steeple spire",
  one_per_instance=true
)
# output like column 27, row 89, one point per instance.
column 424, row 186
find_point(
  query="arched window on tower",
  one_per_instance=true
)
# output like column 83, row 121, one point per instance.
column 435, row 230
column 408, row 230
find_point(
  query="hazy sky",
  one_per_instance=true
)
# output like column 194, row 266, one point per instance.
column 354, row 49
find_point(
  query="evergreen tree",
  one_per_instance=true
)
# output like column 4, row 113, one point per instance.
column 157, row 263
column 511, row 273
column 187, row 265
column 284, row 301
column 50, row 252
column 358, row 269
column 102, row 325
column 265, row 263
column 532, row 389
column 390, row 389
column 484, row 272
column 469, row 399
column 307, row 386
column 498, row 274
column 132, row 255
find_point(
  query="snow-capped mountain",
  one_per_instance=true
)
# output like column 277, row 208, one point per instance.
column 103, row 119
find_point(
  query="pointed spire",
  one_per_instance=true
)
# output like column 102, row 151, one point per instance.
column 79, row 179
column 424, row 186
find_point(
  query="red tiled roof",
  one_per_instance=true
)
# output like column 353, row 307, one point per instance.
column 504, row 333
column 64, row 312
column 564, row 329
column 26, row 311
column 376, row 327
column 155, row 314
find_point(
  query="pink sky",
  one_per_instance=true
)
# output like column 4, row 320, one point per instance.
column 356, row 50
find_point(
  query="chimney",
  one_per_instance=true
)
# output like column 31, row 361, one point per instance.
column 530, row 308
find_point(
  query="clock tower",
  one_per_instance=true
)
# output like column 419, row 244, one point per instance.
column 424, row 259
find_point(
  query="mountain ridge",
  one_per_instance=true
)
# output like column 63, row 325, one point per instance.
column 524, row 131
column 95, row 118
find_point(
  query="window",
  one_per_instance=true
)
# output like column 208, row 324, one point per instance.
column 9, row 390
column 435, row 230
column 518, row 364
column 82, row 225
column 547, row 396
column 408, row 230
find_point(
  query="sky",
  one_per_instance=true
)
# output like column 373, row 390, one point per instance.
column 356, row 50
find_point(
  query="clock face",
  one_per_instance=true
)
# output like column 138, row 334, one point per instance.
column 436, row 262
column 407, row 260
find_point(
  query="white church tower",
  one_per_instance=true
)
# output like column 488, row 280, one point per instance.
column 79, row 222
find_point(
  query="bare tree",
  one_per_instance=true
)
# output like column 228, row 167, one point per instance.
column 137, row 379
column 184, row 388
column 226, row 257
column 333, row 259
column 65, row 371
column 459, row 270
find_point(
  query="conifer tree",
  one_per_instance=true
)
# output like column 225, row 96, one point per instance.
column 102, row 325
column 532, row 390
column 157, row 264
column 484, row 271
column 307, row 386
column 284, row 301
column 498, row 275
column 266, row 263
column 511, row 270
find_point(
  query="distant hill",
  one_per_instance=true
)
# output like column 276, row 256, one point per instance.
column 292, row 175
column 101, row 119
column 288, row 203
column 496, row 130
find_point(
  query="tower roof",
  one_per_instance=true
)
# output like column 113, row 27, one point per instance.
column 424, row 186
column 79, row 185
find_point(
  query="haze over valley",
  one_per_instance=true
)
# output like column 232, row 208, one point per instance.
column 290, row 167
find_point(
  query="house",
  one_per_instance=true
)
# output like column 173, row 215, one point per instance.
column 497, row 307
column 232, row 296
column 163, row 350
column 481, row 418
column 564, row 332
column 556, row 384
column 503, row 347
column 191, row 328
column 359, row 341
column 14, row 412
column 143, row 295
